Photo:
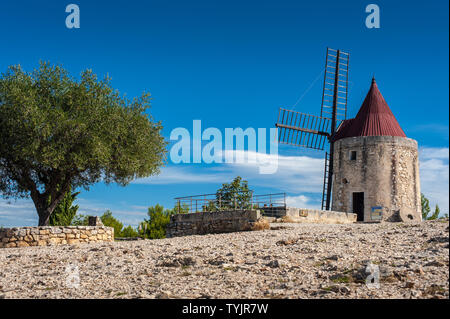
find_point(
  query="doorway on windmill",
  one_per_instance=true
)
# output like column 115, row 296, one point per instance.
column 358, row 206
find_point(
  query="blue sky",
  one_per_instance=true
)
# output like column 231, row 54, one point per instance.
column 232, row 64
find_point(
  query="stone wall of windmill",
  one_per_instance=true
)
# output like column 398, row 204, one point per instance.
column 385, row 169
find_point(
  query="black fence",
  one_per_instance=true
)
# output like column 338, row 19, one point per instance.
column 230, row 201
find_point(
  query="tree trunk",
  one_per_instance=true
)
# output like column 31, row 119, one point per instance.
column 44, row 217
column 44, row 211
column 43, row 207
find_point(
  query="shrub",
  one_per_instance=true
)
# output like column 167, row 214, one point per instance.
column 128, row 232
column 155, row 226
column 261, row 224
column 109, row 221
column 80, row 220
column 233, row 195
column 425, row 203
column 65, row 211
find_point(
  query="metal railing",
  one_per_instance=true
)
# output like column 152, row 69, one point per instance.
column 229, row 201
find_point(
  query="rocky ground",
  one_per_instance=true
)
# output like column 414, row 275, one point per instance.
column 287, row 261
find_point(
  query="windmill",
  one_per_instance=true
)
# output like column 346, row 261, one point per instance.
column 317, row 132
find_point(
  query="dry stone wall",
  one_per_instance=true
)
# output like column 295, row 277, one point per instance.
column 212, row 222
column 53, row 235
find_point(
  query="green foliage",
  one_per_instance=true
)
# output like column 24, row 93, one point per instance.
column 425, row 203
column 80, row 220
column 436, row 213
column 57, row 132
column 64, row 211
column 181, row 209
column 426, row 209
column 129, row 232
column 234, row 194
column 155, row 226
column 109, row 221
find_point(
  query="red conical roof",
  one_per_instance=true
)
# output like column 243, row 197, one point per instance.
column 374, row 118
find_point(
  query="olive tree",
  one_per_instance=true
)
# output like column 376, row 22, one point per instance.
column 59, row 133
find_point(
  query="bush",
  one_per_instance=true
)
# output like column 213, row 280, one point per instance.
column 155, row 226
column 80, row 220
column 128, row 232
column 109, row 221
column 261, row 224
column 233, row 195
column 425, row 203
column 65, row 211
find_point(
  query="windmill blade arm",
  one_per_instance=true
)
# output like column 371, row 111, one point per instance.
column 306, row 130
column 302, row 129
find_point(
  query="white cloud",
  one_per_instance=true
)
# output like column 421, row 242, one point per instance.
column 433, row 153
column 434, row 176
column 301, row 201
column 295, row 173
column 20, row 212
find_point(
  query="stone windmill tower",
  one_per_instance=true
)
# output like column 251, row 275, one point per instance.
column 376, row 170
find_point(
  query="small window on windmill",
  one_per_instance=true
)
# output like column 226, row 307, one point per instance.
column 353, row 155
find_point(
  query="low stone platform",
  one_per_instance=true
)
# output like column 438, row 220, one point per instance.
column 53, row 235
column 212, row 222
column 304, row 215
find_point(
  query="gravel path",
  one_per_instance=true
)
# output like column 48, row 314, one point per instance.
column 288, row 261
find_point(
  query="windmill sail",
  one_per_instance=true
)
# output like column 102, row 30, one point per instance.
column 311, row 131
column 335, row 85
column 300, row 129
